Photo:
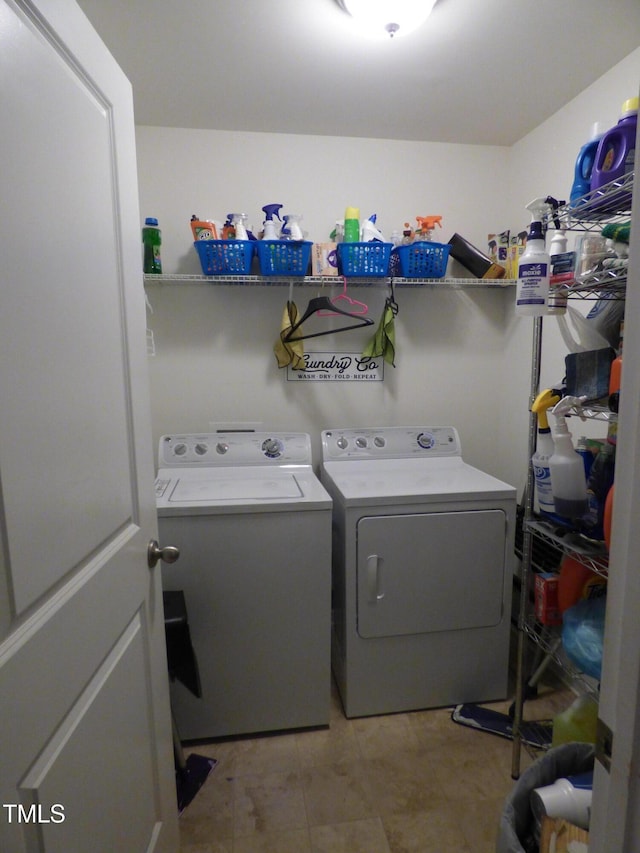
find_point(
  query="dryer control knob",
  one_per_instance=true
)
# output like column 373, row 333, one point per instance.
column 426, row 440
column 180, row 449
column 379, row 441
column 361, row 441
column 221, row 447
column 342, row 443
column 272, row 448
column 201, row 448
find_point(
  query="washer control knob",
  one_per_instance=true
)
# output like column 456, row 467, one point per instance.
column 361, row 441
column 342, row 443
column 379, row 441
column 180, row 449
column 201, row 448
column 221, row 447
column 272, row 448
column 426, row 440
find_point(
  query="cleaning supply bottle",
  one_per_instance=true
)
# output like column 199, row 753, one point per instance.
column 152, row 240
column 203, row 229
column 600, row 481
column 544, row 449
column 584, row 167
column 532, row 290
column 270, row 231
column 370, row 231
column 561, row 272
column 577, row 723
column 426, row 224
column 238, row 221
column 291, row 229
column 616, row 151
column 568, row 482
column 351, row 233
column 615, row 375
column 569, row 797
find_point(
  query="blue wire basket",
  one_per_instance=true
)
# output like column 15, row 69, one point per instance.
column 364, row 260
column 225, row 257
column 284, row 257
column 420, row 260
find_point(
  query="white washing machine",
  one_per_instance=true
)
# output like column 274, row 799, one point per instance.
column 422, row 570
column 253, row 524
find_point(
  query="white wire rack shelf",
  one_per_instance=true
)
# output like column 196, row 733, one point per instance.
column 316, row 281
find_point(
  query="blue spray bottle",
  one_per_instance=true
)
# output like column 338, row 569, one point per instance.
column 270, row 230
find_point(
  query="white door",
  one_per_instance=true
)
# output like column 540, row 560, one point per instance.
column 85, row 739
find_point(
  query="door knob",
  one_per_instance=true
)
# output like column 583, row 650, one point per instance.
column 168, row 554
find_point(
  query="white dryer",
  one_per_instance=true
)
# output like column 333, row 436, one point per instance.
column 422, row 570
column 253, row 524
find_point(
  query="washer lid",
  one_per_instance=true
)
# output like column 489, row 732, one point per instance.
column 188, row 490
column 196, row 491
column 401, row 480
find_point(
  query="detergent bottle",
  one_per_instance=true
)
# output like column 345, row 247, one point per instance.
column 270, row 230
column 616, row 151
column 351, row 233
column 426, row 225
column 568, row 481
column 151, row 241
column 291, row 229
column 203, row 229
column 532, row 291
column 584, row 167
column 544, row 449
column 370, row 231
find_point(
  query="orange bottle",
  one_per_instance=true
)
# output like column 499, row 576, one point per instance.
column 616, row 367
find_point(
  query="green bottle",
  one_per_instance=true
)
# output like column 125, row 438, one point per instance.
column 352, row 225
column 151, row 240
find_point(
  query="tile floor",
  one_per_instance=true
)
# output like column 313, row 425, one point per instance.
column 403, row 783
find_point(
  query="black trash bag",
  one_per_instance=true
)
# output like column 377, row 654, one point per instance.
column 515, row 833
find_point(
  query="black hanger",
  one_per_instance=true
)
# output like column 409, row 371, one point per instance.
column 323, row 303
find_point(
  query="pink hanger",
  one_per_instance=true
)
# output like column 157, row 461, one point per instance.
column 354, row 306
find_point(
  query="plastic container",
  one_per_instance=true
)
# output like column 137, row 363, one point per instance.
column 568, row 481
column 568, row 798
column 532, row 291
column 421, row 260
column 151, row 241
column 364, row 260
column 225, row 257
column 351, row 225
column 574, row 583
column 577, row 723
column 615, row 155
column 284, row 257
column 584, row 167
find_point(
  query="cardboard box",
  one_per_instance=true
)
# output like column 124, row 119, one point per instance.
column 560, row 836
column 324, row 260
column 498, row 245
column 546, row 598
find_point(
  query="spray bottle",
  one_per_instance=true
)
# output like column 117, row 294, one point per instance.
column 369, row 230
column 291, row 229
column 568, row 481
column 532, row 290
column 544, row 449
column 426, row 225
column 238, row 220
column 270, row 231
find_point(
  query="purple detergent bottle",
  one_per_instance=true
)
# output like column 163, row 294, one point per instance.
column 616, row 154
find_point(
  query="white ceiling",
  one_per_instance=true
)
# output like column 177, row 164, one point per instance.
column 479, row 71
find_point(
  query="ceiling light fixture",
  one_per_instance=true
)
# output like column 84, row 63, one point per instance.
column 388, row 16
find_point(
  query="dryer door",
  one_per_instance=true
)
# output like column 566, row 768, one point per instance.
column 441, row 571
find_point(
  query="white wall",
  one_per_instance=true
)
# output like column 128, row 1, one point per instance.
column 462, row 357
column 214, row 359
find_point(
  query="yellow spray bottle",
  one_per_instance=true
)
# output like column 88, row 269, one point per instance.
column 544, row 449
